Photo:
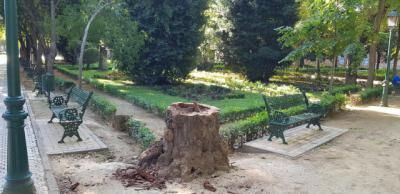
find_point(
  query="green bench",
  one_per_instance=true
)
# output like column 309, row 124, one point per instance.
column 279, row 121
column 69, row 116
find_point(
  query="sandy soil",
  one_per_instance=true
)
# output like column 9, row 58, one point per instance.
column 364, row 160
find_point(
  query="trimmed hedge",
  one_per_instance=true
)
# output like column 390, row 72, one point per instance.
column 63, row 84
column 157, row 101
column 103, row 107
column 367, row 95
column 141, row 133
column 346, row 89
column 332, row 103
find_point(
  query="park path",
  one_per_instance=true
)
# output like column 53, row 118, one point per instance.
column 155, row 123
column 37, row 162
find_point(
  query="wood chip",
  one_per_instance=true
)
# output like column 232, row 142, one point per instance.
column 207, row 185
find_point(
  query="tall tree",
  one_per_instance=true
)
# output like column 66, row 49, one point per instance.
column 251, row 46
column 373, row 40
column 174, row 33
column 326, row 28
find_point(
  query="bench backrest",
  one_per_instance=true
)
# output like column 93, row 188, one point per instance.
column 80, row 96
column 285, row 101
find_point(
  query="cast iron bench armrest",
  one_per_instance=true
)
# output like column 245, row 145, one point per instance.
column 56, row 101
column 69, row 114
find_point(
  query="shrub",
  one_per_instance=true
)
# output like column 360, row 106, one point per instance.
column 174, row 33
column 332, row 103
column 251, row 46
column 367, row 95
column 103, row 107
column 90, row 56
column 140, row 133
column 346, row 89
column 63, row 84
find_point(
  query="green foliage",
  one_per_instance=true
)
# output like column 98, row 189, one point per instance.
column 63, row 84
column 324, row 29
column 157, row 101
column 345, row 89
column 212, row 45
column 200, row 92
column 103, row 107
column 367, row 95
column 251, row 46
column 141, row 133
column 91, row 56
column 332, row 103
column 173, row 31
column 113, row 27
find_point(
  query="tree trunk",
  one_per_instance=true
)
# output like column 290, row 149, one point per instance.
column 192, row 144
column 318, row 69
column 374, row 42
column 84, row 39
column 396, row 54
column 378, row 59
column 51, row 55
column 301, row 65
column 347, row 63
column 335, row 61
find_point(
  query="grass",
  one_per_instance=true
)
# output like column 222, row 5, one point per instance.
column 157, row 101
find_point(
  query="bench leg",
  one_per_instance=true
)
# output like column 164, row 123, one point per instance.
column 283, row 137
column 70, row 129
column 51, row 119
column 315, row 122
column 277, row 131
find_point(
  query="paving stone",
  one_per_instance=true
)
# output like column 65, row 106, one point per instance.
column 35, row 161
column 51, row 133
column 300, row 140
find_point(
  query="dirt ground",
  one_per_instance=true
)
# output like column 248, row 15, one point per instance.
column 364, row 160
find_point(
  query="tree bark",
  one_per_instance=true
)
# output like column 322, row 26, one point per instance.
column 335, row 61
column 378, row 59
column 51, row 55
column 84, row 39
column 396, row 54
column 374, row 42
column 192, row 145
column 318, row 69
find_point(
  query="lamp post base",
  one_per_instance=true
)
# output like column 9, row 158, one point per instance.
column 18, row 187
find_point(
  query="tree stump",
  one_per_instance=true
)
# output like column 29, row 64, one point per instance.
column 192, row 144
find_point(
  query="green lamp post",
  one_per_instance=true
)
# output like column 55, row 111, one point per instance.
column 18, row 178
column 393, row 17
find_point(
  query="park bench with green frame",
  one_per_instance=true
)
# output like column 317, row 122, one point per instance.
column 70, row 117
column 279, row 121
